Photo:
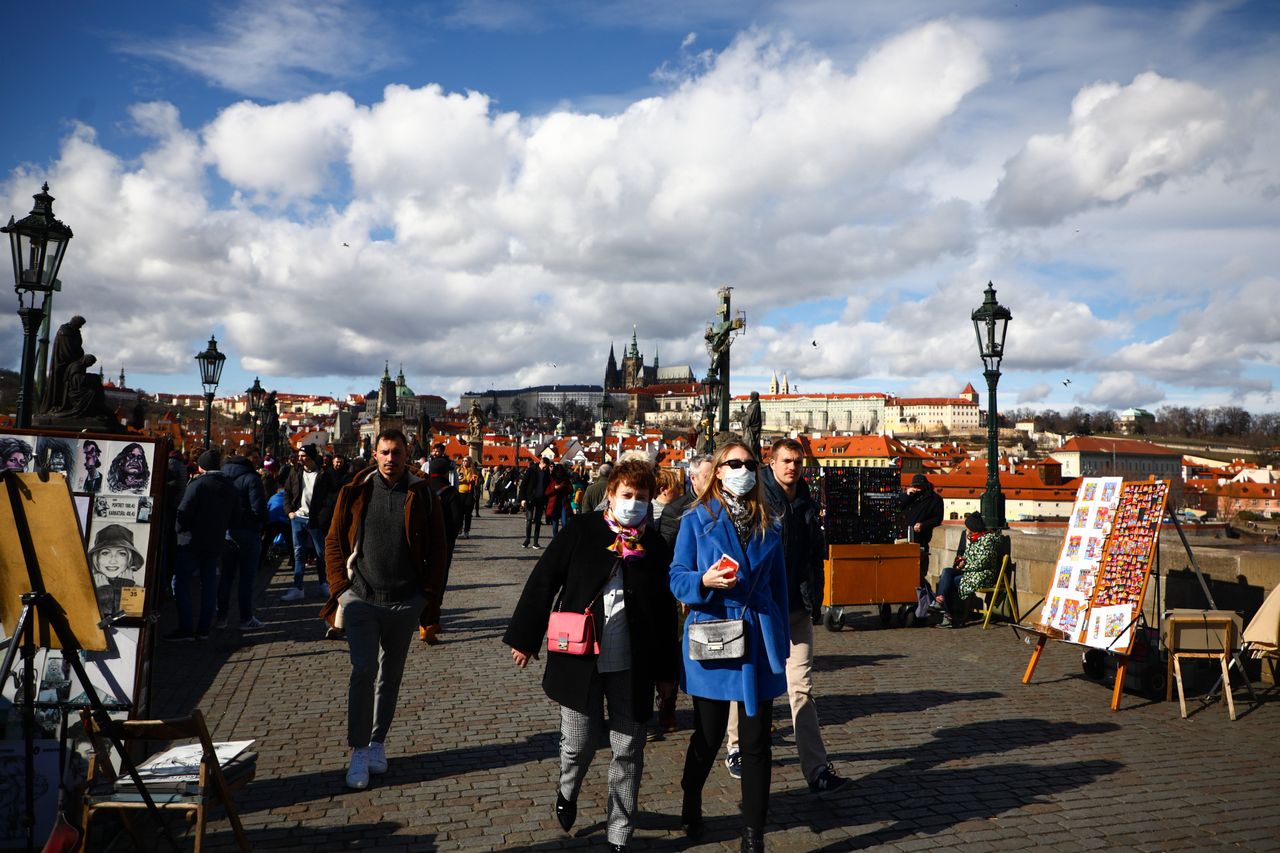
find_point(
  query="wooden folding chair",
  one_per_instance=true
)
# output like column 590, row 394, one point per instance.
column 1001, row 599
column 106, row 789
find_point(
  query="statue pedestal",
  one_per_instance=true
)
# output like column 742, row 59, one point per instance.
column 91, row 423
column 476, row 449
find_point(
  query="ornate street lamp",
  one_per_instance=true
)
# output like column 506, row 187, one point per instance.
column 256, row 394
column 38, row 243
column 710, row 406
column 606, row 415
column 990, row 323
column 211, row 362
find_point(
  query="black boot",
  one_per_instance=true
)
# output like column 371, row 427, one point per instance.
column 691, row 816
column 566, row 812
column 752, row 840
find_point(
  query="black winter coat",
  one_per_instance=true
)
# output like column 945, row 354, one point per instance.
column 924, row 507
column 669, row 524
column 804, row 547
column 253, row 500
column 577, row 563
column 324, row 496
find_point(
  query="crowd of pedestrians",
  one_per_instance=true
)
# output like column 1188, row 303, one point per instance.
column 653, row 562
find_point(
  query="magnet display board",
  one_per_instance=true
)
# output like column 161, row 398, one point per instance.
column 1074, row 575
column 1126, row 567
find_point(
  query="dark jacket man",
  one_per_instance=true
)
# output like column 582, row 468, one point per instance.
column 533, row 486
column 803, row 545
column 323, row 495
column 923, row 506
column 424, row 529
column 209, row 506
column 253, row 501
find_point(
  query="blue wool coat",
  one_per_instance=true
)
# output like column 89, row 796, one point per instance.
column 705, row 535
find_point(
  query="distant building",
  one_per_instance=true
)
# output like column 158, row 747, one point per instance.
column 1087, row 456
column 1135, row 421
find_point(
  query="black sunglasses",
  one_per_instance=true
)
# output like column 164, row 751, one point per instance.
column 735, row 464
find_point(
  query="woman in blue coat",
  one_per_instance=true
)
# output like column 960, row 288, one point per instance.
column 731, row 517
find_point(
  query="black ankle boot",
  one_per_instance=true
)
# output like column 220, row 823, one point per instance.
column 691, row 816
column 566, row 812
column 752, row 840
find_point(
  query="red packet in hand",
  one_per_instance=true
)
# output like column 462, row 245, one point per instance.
column 727, row 563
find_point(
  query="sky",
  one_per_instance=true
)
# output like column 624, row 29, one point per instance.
column 492, row 193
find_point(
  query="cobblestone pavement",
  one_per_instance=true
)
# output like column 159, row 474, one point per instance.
column 945, row 746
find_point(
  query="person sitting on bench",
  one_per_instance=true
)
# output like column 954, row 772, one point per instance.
column 976, row 564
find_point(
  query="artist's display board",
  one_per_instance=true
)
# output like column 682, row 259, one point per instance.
column 1126, row 566
column 117, row 484
column 1077, row 568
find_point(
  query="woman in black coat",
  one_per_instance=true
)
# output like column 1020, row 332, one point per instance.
column 616, row 564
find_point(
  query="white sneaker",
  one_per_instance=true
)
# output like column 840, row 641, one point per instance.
column 252, row 623
column 294, row 594
column 377, row 758
column 358, row 772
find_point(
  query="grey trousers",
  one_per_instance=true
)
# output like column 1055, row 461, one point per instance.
column 804, row 710
column 378, row 639
column 579, row 734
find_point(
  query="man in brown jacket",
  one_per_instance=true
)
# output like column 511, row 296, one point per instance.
column 385, row 558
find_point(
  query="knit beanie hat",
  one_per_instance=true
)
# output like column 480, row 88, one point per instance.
column 974, row 522
column 210, row 460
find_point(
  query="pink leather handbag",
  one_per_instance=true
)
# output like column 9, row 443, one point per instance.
column 571, row 633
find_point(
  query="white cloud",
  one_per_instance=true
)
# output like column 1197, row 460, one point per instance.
column 288, row 149
column 486, row 245
column 279, row 49
column 1035, row 393
column 1123, row 140
column 1122, row 391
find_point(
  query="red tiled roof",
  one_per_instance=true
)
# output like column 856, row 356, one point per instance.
column 866, row 396
column 930, row 401
column 1089, row 444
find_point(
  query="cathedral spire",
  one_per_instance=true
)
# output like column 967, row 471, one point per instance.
column 634, row 352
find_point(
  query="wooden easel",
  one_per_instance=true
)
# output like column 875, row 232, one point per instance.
column 1122, row 657
column 41, row 621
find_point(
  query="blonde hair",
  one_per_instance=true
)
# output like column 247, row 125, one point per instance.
column 711, row 490
column 669, row 478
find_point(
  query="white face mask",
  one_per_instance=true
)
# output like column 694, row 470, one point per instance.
column 738, row 482
column 630, row 513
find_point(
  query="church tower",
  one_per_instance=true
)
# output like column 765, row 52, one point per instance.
column 611, row 377
column 633, row 364
column 387, row 399
column 773, row 383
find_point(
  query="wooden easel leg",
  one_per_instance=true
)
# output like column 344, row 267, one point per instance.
column 1226, row 687
column 1122, row 667
column 200, row 821
column 1035, row 659
column 1182, row 697
column 1168, row 677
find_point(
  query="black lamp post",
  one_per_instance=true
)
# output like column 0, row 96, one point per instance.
column 990, row 323
column 256, row 394
column 211, row 362
column 38, row 243
column 606, row 415
column 710, row 407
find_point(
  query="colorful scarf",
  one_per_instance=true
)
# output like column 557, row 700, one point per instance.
column 627, row 544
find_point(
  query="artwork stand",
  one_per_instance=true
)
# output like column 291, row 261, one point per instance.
column 40, row 605
column 1117, row 582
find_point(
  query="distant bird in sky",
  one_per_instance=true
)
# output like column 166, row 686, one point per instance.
column 346, row 245
column 814, row 343
column 553, row 364
column 1066, row 382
